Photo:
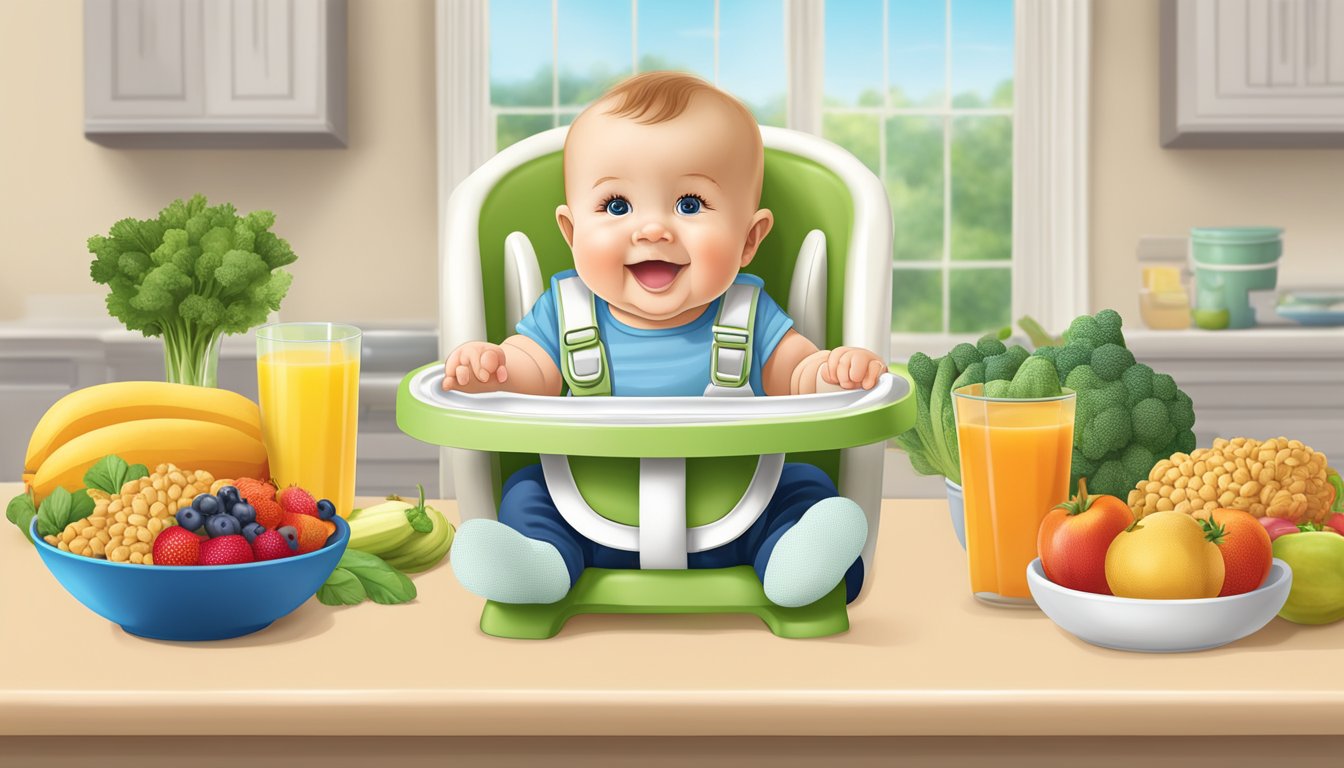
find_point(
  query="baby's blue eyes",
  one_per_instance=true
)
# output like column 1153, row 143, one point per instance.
column 689, row 205
column 618, row 206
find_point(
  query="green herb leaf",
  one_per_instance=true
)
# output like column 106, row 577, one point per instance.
column 20, row 512
column 342, row 588
column 81, row 506
column 419, row 519
column 54, row 514
column 383, row 583
column 111, row 473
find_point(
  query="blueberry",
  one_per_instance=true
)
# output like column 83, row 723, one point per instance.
column 223, row 525
column 252, row 530
column 206, row 504
column 244, row 513
column 325, row 509
column 228, row 496
column 291, row 535
column 190, row 518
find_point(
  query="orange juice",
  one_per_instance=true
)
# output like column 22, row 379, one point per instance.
column 309, row 396
column 1015, row 458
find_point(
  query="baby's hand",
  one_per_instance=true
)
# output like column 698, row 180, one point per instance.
column 477, row 366
column 851, row 367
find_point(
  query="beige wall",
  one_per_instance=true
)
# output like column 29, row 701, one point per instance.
column 362, row 219
column 1138, row 188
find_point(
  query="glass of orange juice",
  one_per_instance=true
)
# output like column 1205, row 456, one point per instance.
column 308, row 387
column 1015, row 458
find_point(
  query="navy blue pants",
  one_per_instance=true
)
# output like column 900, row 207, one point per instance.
column 527, row 508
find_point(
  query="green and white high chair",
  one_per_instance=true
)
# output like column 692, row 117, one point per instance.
column 668, row 475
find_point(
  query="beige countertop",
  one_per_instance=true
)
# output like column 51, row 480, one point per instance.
column 922, row 657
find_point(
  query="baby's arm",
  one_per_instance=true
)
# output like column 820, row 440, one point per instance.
column 796, row 365
column 518, row 364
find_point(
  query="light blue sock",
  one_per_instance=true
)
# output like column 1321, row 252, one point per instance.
column 813, row 556
column 494, row 561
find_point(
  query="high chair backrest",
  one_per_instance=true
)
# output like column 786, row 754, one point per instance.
column 809, row 184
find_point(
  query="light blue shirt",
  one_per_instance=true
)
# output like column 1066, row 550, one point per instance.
column 663, row 362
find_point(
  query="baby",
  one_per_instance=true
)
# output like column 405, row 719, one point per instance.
column 662, row 187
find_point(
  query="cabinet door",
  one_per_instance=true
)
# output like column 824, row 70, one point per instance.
column 142, row 58
column 1265, row 72
column 265, row 57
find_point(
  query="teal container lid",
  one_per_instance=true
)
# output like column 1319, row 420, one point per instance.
column 1235, row 235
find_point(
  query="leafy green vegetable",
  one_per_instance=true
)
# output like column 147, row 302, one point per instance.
column 62, row 508
column 190, row 274
column 342, row 588
column 20, row 512
column 379, row 581
column 111, row 473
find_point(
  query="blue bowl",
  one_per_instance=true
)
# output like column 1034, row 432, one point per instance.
column 178, row 602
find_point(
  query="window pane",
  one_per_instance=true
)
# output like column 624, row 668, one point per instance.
column 915, row 185
column 917, row 38
column 982, row 188
column 520, row 53
column 676, row 35
column 982, row 53
column 981, row 299
column 860, row 134
column 510, row 129
column 594, row 47
column 854, row 53
column 917, row 300
column 752, row 65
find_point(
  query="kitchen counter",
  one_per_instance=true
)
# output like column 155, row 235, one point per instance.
column 922, row 663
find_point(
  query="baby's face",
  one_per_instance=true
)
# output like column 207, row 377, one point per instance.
column 661, row 217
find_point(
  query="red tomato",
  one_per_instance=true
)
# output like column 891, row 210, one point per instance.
column 1245, row 546
column 1074, row 536
column 1335, row 521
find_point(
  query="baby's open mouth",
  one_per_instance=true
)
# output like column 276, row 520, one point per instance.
column 655, row 275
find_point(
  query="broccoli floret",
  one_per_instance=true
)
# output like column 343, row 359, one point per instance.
column 1035, row 378
column 1049, row 353
column 922, row 369
column 1137, row 461
column 1109, row 430
column 943, row 417
column 1070, row 356
column 997, row 388
column 1004, row 365
column 1152, row 426
column 963, row 355
column 974, row 374
column 1108, row 328
column 1138, row 381
column 1082, row 327
column 1182, row 412
column 1164, row 387
column 1083, row 379
column 1111, row 360
column 989, row 345
column 1110, row 479
column 1083, row 466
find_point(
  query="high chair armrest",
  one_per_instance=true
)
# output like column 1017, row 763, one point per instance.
column 660, row 427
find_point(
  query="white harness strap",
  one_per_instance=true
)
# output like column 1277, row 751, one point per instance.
column 582, row 354
column 731, row 340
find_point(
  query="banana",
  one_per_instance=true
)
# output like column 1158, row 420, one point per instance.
column 104, row 405
column 218, row 449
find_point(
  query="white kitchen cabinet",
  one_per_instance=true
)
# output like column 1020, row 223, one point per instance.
column 255, row 73
column 1252, row 73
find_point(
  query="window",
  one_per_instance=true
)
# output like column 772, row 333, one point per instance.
column 920, row 90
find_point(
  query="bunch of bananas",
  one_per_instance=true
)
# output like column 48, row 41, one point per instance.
column 144, row 422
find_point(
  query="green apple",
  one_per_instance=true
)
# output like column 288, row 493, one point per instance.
column 1317, row 560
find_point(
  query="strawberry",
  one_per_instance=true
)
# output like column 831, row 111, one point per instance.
column 313, row 532
column 226, row 550
column 270, row 545
column 297, row 501
column 177, row 546
column 261, row 495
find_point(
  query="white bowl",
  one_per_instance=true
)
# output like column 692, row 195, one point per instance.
column 1160, row 626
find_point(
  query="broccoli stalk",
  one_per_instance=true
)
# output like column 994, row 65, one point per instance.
column 192, row 275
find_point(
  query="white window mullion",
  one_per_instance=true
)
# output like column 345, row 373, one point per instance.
column 634, row 37
column 716, row 43
column 555, row 62
column 947, row 167
column 804, row 27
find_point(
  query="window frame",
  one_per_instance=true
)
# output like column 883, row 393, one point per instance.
column 1052, row 53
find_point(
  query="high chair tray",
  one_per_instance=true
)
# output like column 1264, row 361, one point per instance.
column 651, row 427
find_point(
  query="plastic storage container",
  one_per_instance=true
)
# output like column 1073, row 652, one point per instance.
column 1229, row 263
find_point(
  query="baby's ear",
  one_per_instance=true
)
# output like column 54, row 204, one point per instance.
column 760, row 227
column 566, row 222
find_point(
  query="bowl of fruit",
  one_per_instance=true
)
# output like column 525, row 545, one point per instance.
column 223, row 562
column 1165, row 582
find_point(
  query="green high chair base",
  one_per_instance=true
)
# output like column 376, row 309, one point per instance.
column 715, row 590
